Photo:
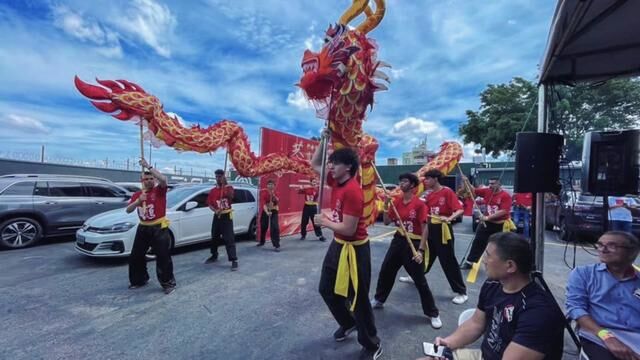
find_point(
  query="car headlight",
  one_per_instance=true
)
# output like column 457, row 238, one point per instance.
column 116, row 228
column 85, row 227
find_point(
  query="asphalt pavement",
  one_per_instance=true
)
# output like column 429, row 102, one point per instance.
column 58, row 304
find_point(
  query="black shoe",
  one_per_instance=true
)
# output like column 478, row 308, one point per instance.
column 342, row 333
column 302, row 238
column 211, row 259
column 260, row 244
column 169, row 289
column 277, row 249
column 133, row 287
column 234, row 265
column 371, row 354
column 322, row 238
column 466, row 266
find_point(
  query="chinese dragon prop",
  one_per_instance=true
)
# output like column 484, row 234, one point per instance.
column 340, row 80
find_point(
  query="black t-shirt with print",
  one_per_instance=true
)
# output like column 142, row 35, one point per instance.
column 529, row 318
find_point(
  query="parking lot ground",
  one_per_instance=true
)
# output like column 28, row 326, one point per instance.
column 58, row 304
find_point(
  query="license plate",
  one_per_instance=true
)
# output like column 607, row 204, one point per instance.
column 80, row 239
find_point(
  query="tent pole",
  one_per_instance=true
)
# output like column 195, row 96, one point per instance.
column 539, row 219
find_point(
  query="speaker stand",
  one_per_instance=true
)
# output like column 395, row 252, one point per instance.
column 605, row 214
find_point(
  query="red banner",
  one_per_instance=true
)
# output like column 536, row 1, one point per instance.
column 288, row 183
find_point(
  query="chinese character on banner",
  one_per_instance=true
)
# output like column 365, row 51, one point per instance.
column 288, row 183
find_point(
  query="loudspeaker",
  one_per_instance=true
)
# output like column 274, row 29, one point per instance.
column 611, row 162
column 537, row 162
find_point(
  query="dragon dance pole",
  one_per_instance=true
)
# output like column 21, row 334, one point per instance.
column 324, row 141
column 395, row 211
column 141, row 147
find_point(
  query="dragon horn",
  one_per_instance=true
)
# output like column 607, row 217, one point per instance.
column 354, row 10
column 91, row 91
column 373, row 19
column 383, row 64
column 134, row 86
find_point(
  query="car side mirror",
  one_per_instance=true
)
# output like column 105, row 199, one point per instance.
column 127, row 197
column 190, row 205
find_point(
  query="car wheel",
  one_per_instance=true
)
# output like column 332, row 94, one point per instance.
column 252, row 229
column 18, row 233
column 151, row 256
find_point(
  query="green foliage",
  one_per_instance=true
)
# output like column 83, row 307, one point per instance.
column 505, row 108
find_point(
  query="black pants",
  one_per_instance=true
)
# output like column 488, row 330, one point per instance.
column 481, row 238
column 399, row 254
column 270, row 222
column 223, row 226
column 362, row 316
column 595, row 351
column 159, row 240
column 308, row 211
column 447, row 256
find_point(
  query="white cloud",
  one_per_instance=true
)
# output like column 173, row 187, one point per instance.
column 75, row 25
column 413, row 126
column 299, row 101
column 25, row 124
column 149, row 21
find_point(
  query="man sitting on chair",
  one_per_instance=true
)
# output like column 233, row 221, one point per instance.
column 604, row 299
column 519, row 319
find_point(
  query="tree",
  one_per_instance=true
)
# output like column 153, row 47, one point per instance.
column 506, row 109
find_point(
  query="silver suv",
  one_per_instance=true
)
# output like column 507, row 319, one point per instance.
column 36, row 206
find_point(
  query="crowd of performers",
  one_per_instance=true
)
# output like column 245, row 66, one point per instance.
column 423, row 233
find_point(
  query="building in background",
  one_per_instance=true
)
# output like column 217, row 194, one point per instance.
column 419, row 155
column 392, row 161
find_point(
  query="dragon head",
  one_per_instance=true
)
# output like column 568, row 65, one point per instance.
column 340, row 79
column 323, row 71
column 120, row 95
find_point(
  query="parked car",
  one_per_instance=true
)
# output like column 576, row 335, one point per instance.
column 111, row 234
column 34, row 206
column 579, row 216
column 132, row 187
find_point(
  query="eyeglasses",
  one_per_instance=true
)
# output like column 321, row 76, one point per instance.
column 611, row 247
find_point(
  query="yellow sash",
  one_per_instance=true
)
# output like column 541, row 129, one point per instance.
column 412, row 236
column 446, row 233
column 163, row 221
column 227, row 211
column 310, row 203
column 507, row 226
column 348, row 269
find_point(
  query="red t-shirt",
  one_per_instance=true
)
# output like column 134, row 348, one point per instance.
column 413, row 214
column 265, row 197
column 495, row 202
column 522, row 199
column 310, row 195
column 348, row 199
column 221, row 198
column 155, row 207
column 443, row 202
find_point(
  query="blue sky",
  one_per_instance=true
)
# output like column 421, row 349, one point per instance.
column 212, row 59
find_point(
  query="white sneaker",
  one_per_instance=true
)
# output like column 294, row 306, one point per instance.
column 376, row 304
column 406, row 279
column 436, row 323
column 460, row 299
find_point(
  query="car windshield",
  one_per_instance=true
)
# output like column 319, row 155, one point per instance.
column 178, row 194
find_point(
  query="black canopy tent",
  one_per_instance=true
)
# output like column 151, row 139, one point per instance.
column 589, row 40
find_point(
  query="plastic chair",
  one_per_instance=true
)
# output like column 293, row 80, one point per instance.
column 465, row 315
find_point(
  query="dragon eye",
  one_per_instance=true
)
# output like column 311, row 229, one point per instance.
column 326, row 40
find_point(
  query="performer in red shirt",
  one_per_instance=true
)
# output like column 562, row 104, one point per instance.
column 152, row 231
column 346, row 269
column 310, row 209
column 522, row 211
column 443, row 207
column 269, row 216
column 219, row 200
column 413, row 216
column 496, row 218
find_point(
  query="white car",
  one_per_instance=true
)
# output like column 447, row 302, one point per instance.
column 111, row 233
